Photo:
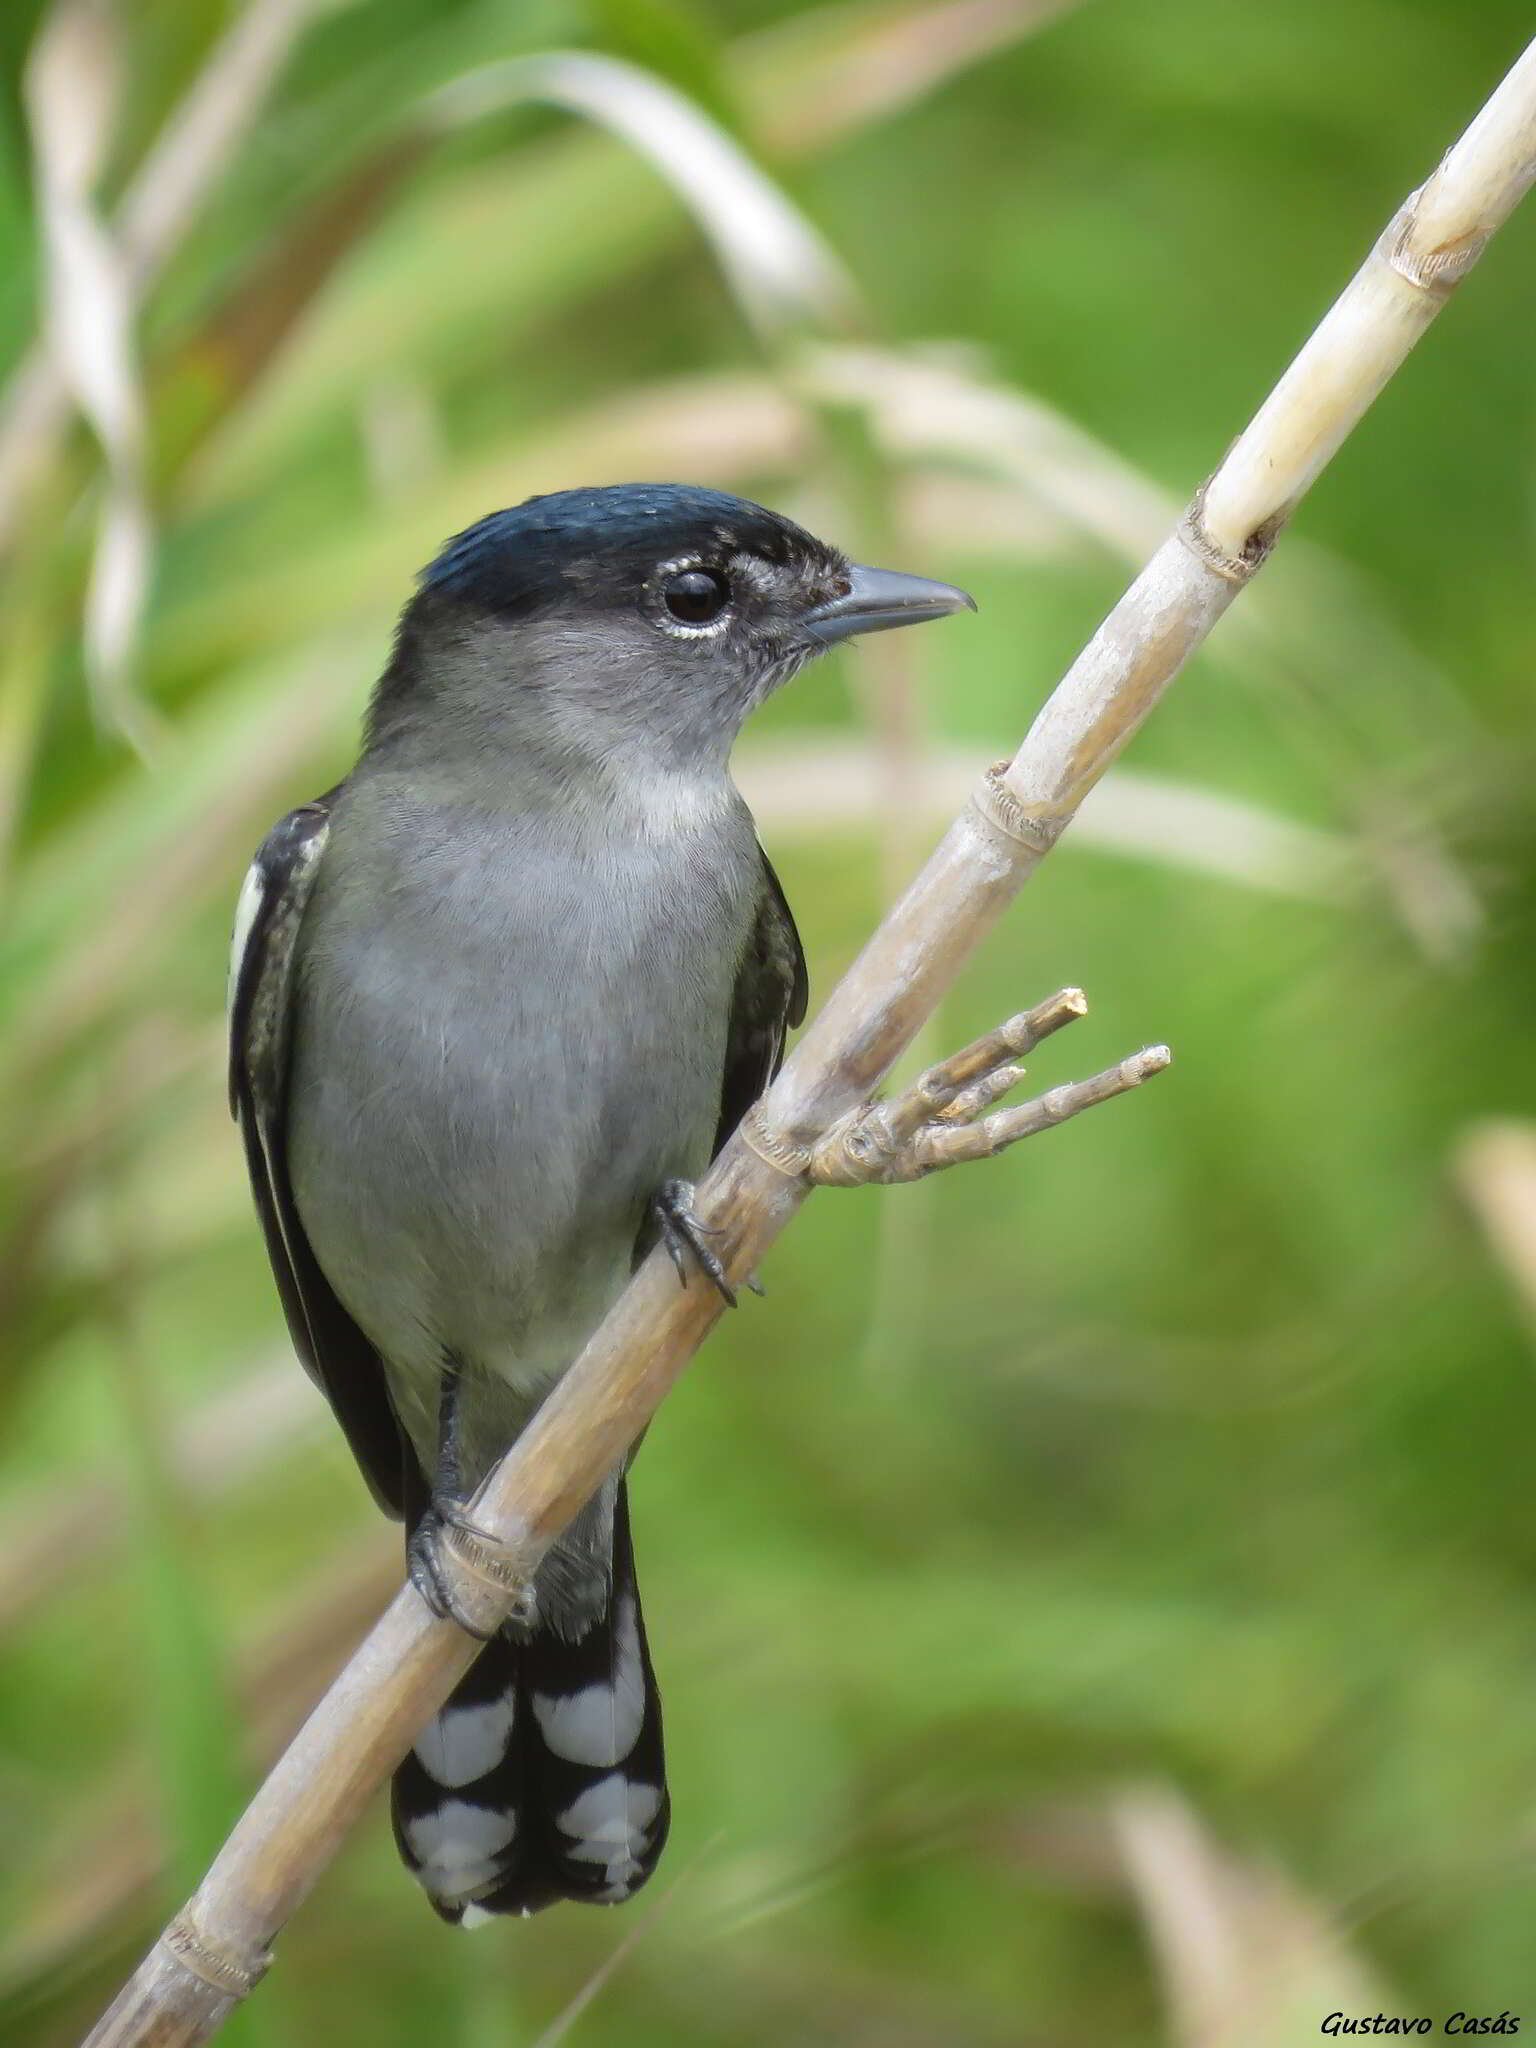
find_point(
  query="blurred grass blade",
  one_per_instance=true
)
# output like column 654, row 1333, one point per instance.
column 782, row 273
column 401, row 436
column 1495, row 1168
column 174, row 181
column 931, row 406
column 71, row 92
column 874, row 61
column 244, row 1431
column 177, row 1636
column 671, row 39
column 559, row 2029
column 1247, row 1962
column 830, row 787
column 426, row 302
column 198, row 142
column 107, row 1874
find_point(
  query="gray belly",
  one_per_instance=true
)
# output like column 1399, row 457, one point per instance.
column 500, row 1052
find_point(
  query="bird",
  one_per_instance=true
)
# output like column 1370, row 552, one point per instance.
column 496, row 1001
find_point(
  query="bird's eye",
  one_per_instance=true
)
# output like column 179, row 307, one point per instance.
column 695, row 596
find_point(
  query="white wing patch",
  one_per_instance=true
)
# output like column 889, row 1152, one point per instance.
column 463, row 1743
column 253, row 891
column 601, row 1724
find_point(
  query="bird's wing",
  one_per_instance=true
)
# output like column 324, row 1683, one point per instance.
column 769, row 1001
column 336, row 1354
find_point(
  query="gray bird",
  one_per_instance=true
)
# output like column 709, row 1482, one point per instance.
column 497, row 999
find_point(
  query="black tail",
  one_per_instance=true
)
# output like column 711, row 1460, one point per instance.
column 543, row 1778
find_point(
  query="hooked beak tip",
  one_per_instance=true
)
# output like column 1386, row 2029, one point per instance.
column 878, row 599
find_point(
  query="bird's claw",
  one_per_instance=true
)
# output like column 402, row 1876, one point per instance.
column 685, row 1237
column 427, row 1573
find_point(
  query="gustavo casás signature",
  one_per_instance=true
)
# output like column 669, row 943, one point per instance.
column 1458, row 2023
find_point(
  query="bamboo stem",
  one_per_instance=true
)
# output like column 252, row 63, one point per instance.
column 218, row 1945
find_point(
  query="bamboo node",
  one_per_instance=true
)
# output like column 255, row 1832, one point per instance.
column 773, row 1149
column 1436, row 270
column 1237, row 568
column 215, row 1962
column 860, row 1150
column 996, row 804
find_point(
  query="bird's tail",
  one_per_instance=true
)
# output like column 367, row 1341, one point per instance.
column 543, row 1777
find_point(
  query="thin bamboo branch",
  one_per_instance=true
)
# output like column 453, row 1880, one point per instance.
column 862, row 1147
column 217, row 1947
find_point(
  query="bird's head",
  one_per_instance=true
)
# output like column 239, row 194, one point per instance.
column 640, row 619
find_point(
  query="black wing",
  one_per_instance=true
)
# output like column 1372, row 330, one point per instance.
column 335, row 1353
column 770, row 998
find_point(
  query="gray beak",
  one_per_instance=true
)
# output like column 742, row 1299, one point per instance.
column 877, row 599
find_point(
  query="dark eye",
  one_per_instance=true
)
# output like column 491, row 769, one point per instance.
column 696, row 596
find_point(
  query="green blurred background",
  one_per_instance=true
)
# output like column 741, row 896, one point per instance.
column 1094, row 1591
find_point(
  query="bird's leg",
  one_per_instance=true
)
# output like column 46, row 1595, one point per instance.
column 448, row 1493
column 686, row 1237
column 423, row 1553
column 941, row 1119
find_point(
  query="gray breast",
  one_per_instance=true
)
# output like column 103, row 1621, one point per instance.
column 511, row 1028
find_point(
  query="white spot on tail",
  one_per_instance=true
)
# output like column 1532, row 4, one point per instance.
column 601, row 1724
column 610, row 1824
column 614, row 1810
column 463, row 1743
column 458, row 1847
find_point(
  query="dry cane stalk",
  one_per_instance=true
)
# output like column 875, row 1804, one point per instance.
column 217, row 1947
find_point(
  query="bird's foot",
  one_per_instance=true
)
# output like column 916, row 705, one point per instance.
column 472, row 1552
column 941, row 1119
column 685, row 1238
